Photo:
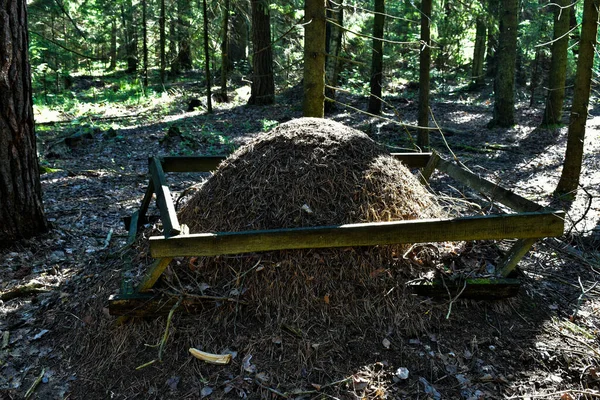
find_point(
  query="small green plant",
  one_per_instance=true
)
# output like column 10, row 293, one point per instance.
column 268, row 124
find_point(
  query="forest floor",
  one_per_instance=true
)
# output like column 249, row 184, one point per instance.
column 58, row 340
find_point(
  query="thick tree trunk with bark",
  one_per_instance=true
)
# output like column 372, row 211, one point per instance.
column 262, row 90
column 424, row 67
column 477, row 75
column 558, row 64
column 333, row 64
column 504, row 83
column 314, row 59
column 569, row 179
column 21, row 209
column 377, row 58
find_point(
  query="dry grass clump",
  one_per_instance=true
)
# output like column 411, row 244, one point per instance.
column 310, row 172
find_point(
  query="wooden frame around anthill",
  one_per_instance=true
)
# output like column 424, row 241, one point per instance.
column 530, row 222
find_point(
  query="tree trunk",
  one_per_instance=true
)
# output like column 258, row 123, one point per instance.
column 569, row 179
column 262, row 90
column 424, row 67
column 314, row 58
column 184, row 55
column 225, row 51
column 333, row 64
column 162, row 41
column 377, row 58
column 477, row 75
column 113, row 44
column 207, row 58
column 21, row 208
column 504, row 83
column 145, row 42
column 238, row 35
column 558, row 65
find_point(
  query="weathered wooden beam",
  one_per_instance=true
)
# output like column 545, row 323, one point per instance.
column 413, row 160
column 164, row 199
column 429, row 168
column 154, row 272
column 133, row 227
column 488, row 188
column 191, row 163
column 476, row 288
column 525, row 225
column 512, row 258
column 146, row 200
column 149, row 304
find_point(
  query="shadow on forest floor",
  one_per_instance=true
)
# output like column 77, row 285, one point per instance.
column 543, row 341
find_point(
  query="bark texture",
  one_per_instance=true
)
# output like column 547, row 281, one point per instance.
column 569, row 179
column 504, row 83
column 207, row 58
column 424, row 68
column 262, row 90
column 558, row 64
column 377, row 58
column 333, row 64
column 479, row 53
column 21, row 208
column 314, row 59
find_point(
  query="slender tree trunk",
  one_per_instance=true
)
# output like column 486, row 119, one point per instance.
column 314, row 59
column 225, row 51
column 207, row 58
column 424, row 67
column 21, row 208
column 558, row 65
column 479, row 53
column 333, row 63
column 569, row 179
column 145, row 42
column 504, row 83
column 238, row 35
column 162, row 41
column 262, row 90
column 377, row 58
column 184, row 56
column 113, row 44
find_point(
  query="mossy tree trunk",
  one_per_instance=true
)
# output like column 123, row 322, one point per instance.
column 21, row 208
column 504, row 83
column 424, row 69
column 262, row 90
column 333, row 64
column 313, row 104
column 377, row 58
column 558, row 64
column 569, row 179
column 183, row 60
column 477, row 76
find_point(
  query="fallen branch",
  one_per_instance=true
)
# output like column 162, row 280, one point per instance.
column 22, row 291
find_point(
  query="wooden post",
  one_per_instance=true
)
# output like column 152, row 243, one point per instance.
column 154, row 272
column 512, row 258
column 164, row 199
